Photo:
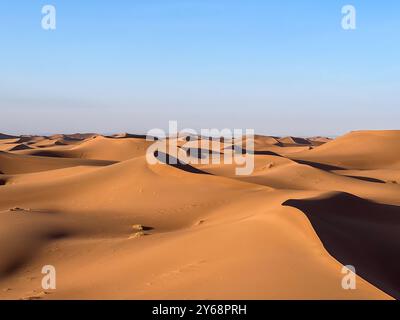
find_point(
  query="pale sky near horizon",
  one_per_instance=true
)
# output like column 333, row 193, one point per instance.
column 280, row 67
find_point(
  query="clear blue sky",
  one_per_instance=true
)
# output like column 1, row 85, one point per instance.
column 280, row 67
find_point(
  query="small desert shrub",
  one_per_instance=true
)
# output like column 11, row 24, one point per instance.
column 137, row 227
column 137, row 235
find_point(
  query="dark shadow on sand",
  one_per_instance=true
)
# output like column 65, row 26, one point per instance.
column 266, row 153
column 174, row 162
column 50, row 154
column 200, row 153
column 317, row 165
column 368, row 179
column 361, row 233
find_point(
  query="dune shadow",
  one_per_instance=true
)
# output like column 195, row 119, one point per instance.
column 266, row 153
column 20, row 147
column 57, row 143
column 15, row 262
column 128, row 136
column 244, row 151
column 360, row 233
column 49, row 154
column 368, row 179
column 176, row 163
column 58, row 234
column 68, row 138
column 10, row 267
column 317, row 165
column 200, row 153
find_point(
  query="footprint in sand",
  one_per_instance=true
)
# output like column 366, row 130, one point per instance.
column 183, row 269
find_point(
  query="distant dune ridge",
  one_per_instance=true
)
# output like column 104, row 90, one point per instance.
column 117, row 227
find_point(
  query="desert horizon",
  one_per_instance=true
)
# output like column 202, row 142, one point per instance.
column 115, row 226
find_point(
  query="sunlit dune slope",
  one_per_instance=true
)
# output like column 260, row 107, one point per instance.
column 358, row 150
column 118, row 227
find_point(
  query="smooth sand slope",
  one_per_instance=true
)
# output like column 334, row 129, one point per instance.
column 358, row 150
column 115, row 226
column 96, row 148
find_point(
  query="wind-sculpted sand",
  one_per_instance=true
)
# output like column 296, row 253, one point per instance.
column 115, row 226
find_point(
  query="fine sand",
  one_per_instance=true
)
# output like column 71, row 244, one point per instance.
column 117, row 227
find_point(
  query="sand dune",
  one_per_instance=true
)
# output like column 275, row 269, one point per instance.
column 378, row 175
column 97, row 148
column 30, row 139
column 317, row 141
column 16, row 164
column 294, row 141
column 360, row 233
column 282, row 173
column 8, row 146
column 358, row 150
column 6, row 136
column 20, row 146
column 260, row 142
column 117, row 227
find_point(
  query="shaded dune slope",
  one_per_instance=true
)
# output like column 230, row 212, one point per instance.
column 358, row 232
